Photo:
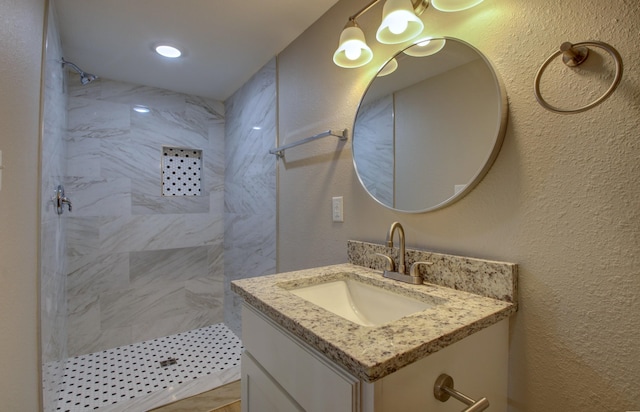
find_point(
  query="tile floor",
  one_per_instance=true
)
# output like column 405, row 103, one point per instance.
column 101, row 380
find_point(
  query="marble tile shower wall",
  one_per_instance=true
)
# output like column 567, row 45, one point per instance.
column 53, row 305
column 374, row 126
column 140, row 265
column 250, row 186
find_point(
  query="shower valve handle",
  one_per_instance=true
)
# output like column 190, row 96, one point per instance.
column 60, row 200
column 65, row 200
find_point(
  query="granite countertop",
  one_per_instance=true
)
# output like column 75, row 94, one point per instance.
column 371, row 353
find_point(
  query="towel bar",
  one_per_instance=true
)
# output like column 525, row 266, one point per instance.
column 443, row 389
column 279, row 151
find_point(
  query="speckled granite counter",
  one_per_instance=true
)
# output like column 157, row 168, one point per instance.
column 371, row 353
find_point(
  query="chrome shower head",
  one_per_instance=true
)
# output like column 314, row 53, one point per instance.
column 85, row 78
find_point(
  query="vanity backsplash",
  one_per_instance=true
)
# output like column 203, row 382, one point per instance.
column 492, row 279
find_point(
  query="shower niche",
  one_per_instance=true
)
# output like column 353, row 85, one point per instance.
column 181, row 171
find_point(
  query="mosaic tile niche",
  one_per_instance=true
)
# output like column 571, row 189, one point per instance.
column 181, row 169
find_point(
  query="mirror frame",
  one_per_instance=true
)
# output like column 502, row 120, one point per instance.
column 490, row 159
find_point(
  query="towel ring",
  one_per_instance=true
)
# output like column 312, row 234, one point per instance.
column 574, row 55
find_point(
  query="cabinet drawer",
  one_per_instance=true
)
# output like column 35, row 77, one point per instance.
column 309, row 378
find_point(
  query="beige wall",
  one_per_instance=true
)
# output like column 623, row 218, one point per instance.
column 562, row 199
column 21, row 28
column 465, row 136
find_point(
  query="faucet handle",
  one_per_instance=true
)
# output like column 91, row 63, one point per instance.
column 389, row 266
column 414, row 269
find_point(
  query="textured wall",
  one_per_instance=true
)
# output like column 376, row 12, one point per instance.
column 21, row 34
column 249, row 186
column 561, row 199
column 140, row 265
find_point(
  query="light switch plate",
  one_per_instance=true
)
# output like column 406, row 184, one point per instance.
column 337, row 211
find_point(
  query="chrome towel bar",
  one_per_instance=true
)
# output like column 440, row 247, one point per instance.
column 443, row 389
column 279, row 151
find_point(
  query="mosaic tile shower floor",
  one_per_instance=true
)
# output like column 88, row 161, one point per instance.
column 102, row 380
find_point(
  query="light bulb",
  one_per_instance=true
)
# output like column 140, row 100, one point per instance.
column 399, row 22
column 352, row 51
column 398, row 25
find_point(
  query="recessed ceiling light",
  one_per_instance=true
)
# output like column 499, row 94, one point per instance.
column 141, row 109
column 257, row 128
column 168, row 51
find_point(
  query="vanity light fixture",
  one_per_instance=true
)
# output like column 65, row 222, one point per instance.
column 425, row 47
column 454, row 5
column 168, row 51
column 353, row 50
column 400, row 23
column 388, row 68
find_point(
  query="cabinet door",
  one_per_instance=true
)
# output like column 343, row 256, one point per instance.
column 316, row 384
column 260, row 393
column 478, row 365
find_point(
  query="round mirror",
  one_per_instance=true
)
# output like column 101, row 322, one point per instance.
column 427, row 132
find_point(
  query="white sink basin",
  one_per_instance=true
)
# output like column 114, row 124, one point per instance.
column 361, row 303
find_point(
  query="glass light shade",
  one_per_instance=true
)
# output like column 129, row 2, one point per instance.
column 425, row 47
column 388, row 68
column 454, row 5
column 352, row 50
column 399, row 22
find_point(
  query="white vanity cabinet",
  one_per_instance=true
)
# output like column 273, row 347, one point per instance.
column 281, row 373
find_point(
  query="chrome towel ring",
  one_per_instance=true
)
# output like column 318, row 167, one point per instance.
column 574, row 55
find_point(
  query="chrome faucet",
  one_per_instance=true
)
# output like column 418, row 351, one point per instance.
column 401, row 252
column 414, row 276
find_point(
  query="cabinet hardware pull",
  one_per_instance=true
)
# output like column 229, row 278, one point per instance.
column 443, row 389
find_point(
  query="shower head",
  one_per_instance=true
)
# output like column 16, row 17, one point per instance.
column 85, row 78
